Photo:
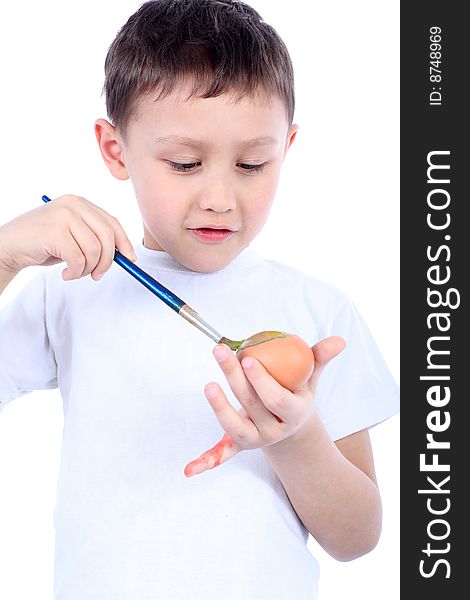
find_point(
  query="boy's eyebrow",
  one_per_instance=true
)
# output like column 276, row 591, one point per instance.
column 192, row 143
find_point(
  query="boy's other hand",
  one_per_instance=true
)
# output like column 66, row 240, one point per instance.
column 69, row 229
column 270, row 413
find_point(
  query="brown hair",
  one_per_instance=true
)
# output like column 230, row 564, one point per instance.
column 218, row 46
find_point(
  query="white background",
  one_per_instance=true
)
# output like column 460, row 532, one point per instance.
column 336, row 217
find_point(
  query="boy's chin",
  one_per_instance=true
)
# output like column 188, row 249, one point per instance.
column 207, row 260
column 206, row 264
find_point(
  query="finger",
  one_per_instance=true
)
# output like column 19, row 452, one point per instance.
column 277, row 400
column 123, row 243
column 327, row 349
column 240, row 386
column 323, row 352
column 217, row 455
column 104, row 232
column 235, row 423
column 89, row 244
column 121, row 240
column 96, row 217
column 72, row 254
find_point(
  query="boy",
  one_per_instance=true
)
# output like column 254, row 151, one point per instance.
column 200, row 99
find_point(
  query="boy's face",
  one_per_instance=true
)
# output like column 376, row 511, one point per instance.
column 204, row 171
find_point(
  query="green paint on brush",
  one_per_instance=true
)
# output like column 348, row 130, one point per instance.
column 261, row 338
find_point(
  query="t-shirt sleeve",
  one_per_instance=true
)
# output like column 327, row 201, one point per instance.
column 356, row 389
column 27, row 359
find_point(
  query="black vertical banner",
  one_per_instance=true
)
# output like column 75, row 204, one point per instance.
column 435, row 355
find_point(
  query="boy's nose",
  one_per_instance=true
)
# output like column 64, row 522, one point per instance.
column 217, row 195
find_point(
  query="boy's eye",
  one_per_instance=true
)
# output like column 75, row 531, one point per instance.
column 252, row 168
column 183, row 167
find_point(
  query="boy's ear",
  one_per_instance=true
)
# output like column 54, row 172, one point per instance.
column 291, row 134
column 111, row 148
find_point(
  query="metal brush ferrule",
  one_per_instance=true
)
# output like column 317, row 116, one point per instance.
column 195, row 319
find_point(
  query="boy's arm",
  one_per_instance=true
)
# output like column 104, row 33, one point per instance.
column 332, row 487
column 5, row 278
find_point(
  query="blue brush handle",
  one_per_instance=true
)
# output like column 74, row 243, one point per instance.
column 149, row 282
column 145, row 279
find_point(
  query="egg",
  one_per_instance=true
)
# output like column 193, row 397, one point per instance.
column 287, row 357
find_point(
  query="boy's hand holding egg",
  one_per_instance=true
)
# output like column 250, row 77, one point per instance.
column 270, row 412
column 288, row 358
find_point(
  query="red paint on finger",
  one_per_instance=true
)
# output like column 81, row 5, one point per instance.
column 209, row 459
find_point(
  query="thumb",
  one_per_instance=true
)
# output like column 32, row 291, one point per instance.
column 324, row 351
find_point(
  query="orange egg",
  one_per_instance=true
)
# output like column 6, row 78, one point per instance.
column 287, row 357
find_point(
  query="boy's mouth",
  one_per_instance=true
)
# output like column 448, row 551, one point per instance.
column 212, row 234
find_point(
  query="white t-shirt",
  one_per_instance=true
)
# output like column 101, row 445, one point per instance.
column 131, row 372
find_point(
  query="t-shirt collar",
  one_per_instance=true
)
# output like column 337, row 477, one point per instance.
column 162, row 261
